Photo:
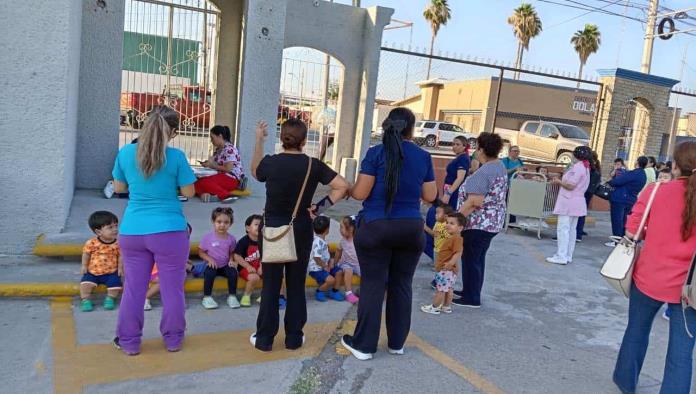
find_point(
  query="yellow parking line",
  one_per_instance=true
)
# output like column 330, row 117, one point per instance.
column 431, row 351
column 455, row 366
column 76, row 365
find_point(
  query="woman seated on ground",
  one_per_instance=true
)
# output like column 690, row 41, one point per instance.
column 227, row 162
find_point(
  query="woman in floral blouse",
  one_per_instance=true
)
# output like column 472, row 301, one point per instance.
column 227, row 162
column 482, row 201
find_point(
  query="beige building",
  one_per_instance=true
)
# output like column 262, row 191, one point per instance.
column 471, row 103
column 687, row 125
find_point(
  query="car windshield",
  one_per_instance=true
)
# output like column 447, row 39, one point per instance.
column 572, row 132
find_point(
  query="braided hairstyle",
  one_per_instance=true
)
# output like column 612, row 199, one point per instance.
column 397, row 127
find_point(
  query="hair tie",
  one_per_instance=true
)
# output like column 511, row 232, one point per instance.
column 395, row 124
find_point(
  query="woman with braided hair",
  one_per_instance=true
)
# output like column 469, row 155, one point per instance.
column 394, row 177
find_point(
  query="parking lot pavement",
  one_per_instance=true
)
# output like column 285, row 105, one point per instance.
column 542, row 329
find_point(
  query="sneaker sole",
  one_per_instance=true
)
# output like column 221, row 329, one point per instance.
column 396, row 352
column 430, row 312
column 356, row 353
column 468, row 306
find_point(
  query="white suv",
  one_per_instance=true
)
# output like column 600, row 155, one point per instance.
column 433, row 133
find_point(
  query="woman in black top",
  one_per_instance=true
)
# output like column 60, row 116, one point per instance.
column 284, row 174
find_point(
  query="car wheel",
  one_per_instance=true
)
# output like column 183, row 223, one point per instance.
column 430, row 141
column 565, row 158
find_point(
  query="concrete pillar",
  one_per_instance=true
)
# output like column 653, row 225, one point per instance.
column 100, row 89
column 38, row 118
column 377, row 19
column 229, row 49
column 263, row 40
column 347, row 114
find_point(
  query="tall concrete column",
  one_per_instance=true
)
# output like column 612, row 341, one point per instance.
column 228, row 66
column 347, row 114
column 38, row 118
column 263, row 40
column 377, row 19
column 100, row 89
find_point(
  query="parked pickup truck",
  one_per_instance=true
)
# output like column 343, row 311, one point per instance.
column 192, row 103
column 545, row 141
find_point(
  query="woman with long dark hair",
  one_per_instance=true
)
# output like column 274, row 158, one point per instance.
column 153, row 229
column 660, row 272
column 394, row 177
column 227, row 162
column 284, row 174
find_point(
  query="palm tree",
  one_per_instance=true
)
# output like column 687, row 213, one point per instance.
column 525, row 25
column 437, row 13
column 586, row 42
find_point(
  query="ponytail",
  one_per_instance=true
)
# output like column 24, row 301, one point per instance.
column 222, row 131
column 161, row 122
column 397, row 126
column 685, row 159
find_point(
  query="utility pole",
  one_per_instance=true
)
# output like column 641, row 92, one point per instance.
column 649, row 37
column 673, row 128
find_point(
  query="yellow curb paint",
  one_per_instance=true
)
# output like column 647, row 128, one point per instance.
column 455, row 366
column 73, row 289
column 76, row 366
column 589, row 221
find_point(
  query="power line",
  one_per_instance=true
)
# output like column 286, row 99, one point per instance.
column 605, row 11
column 581, row 15
column 592, row 9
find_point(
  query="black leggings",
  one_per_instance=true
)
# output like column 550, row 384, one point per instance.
column 295, row 274
column 209, row 277
column 388, row 252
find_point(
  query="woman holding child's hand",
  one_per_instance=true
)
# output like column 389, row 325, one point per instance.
column 284, row 175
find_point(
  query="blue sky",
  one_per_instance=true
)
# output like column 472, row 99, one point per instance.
column 479, row 28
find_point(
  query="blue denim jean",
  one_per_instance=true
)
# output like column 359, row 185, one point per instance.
column 641, row 312
column 619, row 213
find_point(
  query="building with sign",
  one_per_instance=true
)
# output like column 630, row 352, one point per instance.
column 471, row 103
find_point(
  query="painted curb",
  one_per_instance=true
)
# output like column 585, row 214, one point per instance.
column 69, row 289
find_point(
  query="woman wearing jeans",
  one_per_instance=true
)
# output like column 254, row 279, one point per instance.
column 284, row 174
column 482, row 201
column 394, row 177
column 153, row 229
column 670, row 242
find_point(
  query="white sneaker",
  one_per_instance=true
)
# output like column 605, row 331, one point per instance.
column 397, row 352
column 209, row 303
column 109, row 189
column 252, row 339
column 446, row 309
column 433, row 310
column 347, row 342
column 611, row 244
column 232, row 302
column 556, row 260
column 148, row 306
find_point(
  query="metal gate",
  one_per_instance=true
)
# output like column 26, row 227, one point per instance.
column 170, row 58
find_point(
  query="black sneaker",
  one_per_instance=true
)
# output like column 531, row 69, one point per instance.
column 459, row 293
column 432, row 285
column 462, row 302
column 117, row 345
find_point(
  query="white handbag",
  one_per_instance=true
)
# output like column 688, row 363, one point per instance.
column 618, row 268
column 278, row 244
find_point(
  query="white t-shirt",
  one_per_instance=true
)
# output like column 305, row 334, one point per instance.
column 320, row 249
